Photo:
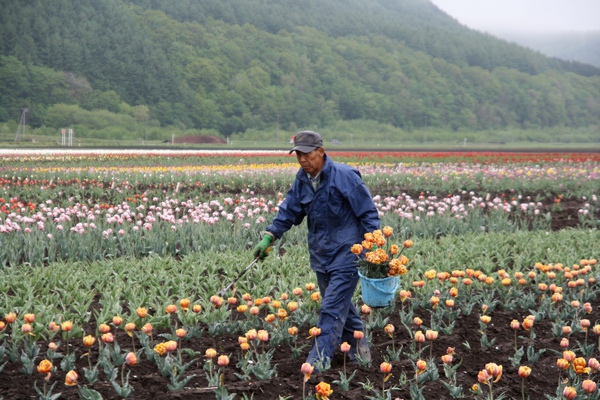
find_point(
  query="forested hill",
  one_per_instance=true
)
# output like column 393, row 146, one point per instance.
column 232, row 65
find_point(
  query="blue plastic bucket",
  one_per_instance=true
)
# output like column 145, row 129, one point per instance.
column 378, row 292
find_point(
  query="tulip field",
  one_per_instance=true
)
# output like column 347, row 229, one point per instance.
column 112, row 263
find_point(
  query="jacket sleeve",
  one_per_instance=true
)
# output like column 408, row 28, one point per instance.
column 290, row 213
column 362, row 204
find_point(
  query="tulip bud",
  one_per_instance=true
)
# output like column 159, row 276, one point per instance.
column 223, row 361
column 262, row 335
column 89, row 341
column 197, row 308
column 171, row 345
column 10, row 317
column 117, row 320
column 569, row 355
column 142, row 312
column 251, row 334
column 524, row 371
column 358, row 335
column 107, row 337
column 210, row 353
column 131, row 359
column 569, row 392
column 431, row 335
column 71, row 378
column 385, row 367
column 184, row 303
column 292, row 306
column 170, row 309
column 147, row 329
column 104, row 328
column 293, row 330
column 419, row 337
column 564, row 343
column 421, row 366
column 389, row 329
column 180, row 333
column 588, row 386
column 345, row 347
column 29, row 318
column 26, row 328
column 130, row 326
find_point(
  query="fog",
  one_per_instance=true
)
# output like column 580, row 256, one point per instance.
column 533, row 16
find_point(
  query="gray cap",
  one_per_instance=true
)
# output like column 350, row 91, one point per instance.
column 307, row 141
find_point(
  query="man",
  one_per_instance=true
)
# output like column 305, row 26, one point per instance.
column 339, row 211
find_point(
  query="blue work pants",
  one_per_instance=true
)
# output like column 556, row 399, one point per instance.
column 338, row 317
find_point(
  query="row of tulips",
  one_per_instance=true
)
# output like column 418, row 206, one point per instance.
column 558, row 292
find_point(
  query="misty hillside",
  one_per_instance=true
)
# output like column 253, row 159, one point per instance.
column 110, row 66
column 576, row 46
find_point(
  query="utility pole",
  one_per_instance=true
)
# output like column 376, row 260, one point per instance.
column 22, row 125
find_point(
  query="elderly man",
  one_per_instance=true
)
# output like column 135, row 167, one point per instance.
column 339, row 210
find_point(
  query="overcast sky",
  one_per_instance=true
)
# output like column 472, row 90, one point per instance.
column 524, row 15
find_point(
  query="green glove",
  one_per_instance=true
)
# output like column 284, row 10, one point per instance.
column 262, row 249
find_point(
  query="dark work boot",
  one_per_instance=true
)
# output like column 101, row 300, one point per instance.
column 361, row 350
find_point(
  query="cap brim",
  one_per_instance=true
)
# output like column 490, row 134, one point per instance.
column 303, row 149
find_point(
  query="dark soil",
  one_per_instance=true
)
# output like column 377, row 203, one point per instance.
column 148, row 383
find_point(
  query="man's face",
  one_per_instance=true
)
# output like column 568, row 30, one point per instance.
column 311, row 162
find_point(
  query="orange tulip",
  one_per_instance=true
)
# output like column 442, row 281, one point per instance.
column 292, row 306
column 66, row 326
column 29, row 318
column 89, row 341
column 345, row 347
column 358, row 335
column 569, row 355
column 161, row 349
column 421, row 366
column 197, row 308
column 323, row 391
column 104, row 328
column 147, row 329
column 389, row 329
column 131, row 359
column 588, row 386
column 251, row 334
column 117, row 320
column 142, row 312
column 447, row 358
column 270, row 318
column 107, row 337
column 563, row 364
column 293, row 330
column 26, row 328
column 184, row 303
column 223, row 361
column 524, row 371
column 385, row 367
column 314, row 331
column 45, row 366
column 419, row 337
column 71, row 378
column 262, row 335
column 431, row 335
column 282, row 314
column 307, row 370
column 10, row 317
column 170, row 309
column 171, row 345
column 569, row 392
column 180, row 333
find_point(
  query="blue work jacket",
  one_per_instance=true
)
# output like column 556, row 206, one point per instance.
column 339, row 212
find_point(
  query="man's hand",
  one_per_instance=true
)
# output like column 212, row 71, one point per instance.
column 262, row 249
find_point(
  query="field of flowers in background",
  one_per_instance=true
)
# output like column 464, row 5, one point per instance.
column 112, row 263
